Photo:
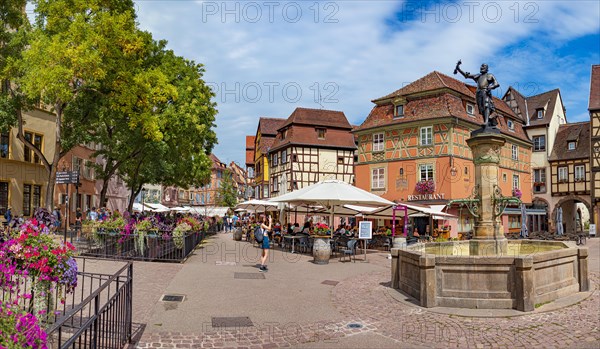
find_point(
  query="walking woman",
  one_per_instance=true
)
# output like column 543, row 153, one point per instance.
column 265, row 243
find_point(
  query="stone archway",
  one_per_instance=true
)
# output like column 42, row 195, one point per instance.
column 568, row 203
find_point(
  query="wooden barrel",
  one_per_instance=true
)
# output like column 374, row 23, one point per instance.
column 237, row 234
column 321, row 250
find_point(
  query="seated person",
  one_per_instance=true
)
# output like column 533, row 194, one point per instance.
column 297, row 229
column 421, row 237
column 339, row 231
column 305, row 229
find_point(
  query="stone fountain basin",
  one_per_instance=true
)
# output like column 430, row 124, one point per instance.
column 530, row 273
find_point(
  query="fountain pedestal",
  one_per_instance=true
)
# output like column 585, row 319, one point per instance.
column 488, row 236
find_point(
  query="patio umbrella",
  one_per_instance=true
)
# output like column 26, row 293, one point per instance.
column 524, row 230
column 332, row 194
column 559, row 221
column 255, row 204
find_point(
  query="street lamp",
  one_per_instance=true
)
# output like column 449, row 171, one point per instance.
column 143, row 192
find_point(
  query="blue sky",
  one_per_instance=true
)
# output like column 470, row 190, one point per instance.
column 265, row 58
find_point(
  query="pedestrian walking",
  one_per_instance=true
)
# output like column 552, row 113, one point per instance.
column 8, row 215
column 78, row 217
column 265, row 243
column 57, row 218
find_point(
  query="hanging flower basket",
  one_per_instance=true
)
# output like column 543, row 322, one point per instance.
column 425, row 187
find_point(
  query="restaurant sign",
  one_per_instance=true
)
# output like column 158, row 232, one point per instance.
column 420, row 197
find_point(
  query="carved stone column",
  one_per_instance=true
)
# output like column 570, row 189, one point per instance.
column 489, row 236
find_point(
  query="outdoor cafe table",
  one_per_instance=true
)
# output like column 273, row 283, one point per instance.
column 294, row 238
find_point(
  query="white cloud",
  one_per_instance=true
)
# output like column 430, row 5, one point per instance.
column 366, row 52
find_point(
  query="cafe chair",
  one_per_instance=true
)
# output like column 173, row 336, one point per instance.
column 303, row 244
column 350, row 251
column 387, row 244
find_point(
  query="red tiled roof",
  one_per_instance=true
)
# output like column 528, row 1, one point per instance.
column 250, row 157
column 301, row 129
column 432, row 81
column 595, row 88
column 307, row 135
column 216, row 162
column 250, row 142
column 269, row 126
column 580, row 132
column 318, row 117
column 440, row 106
column 266, row 144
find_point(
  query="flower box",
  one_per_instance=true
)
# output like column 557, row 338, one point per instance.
column 425, row 187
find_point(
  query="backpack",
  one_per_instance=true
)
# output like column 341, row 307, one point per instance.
column 258, row 234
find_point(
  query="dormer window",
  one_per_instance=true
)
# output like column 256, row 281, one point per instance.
column 283, row 134
column 321, row 133
column 470, row 109
column 399, row 113
column 511, row 124
column 540, row 113
column 571, row 145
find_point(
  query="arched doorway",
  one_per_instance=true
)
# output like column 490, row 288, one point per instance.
column 576, row 211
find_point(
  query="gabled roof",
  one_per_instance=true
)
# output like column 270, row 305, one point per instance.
column 579, row 132
column 317, row 117
column 269, row 126
column 545, row 101
column 432, row 81
column 217, row 164
column 517, row 103
column 301, row 129
column 595, row 88
column 250, row 142
column 438, row 103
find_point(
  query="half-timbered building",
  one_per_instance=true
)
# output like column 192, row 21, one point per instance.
column 263, row 140
column 594, row 109
column 542, row 114
column 310, row 146
column 570, row 171
column 250, row 170
column 412, row 147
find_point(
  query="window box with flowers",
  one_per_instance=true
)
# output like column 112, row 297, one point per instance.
column 517, row 193
column 425, row 187
column 539, row 184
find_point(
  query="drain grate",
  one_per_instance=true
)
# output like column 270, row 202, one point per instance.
column 231, row 321
column 225, row 263
column 330, row 282
column 172, row 298
column 355, row 325
column 248, row 276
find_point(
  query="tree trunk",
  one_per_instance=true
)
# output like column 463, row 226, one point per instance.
column 50, row 167
column 55, row 159
column 134, row 194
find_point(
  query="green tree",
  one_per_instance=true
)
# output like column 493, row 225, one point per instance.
column 227, row 193
column 182, row 130
column 78, row 51
column 14, row 27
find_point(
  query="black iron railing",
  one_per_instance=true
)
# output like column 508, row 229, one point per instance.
column 103, row 319
column 157, row 246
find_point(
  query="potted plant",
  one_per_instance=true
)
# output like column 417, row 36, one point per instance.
column 425, row 187
column 322, row 229
column 179, row 234
column 142, row 227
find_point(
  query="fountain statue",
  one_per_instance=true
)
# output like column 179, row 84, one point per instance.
column 488, row 271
